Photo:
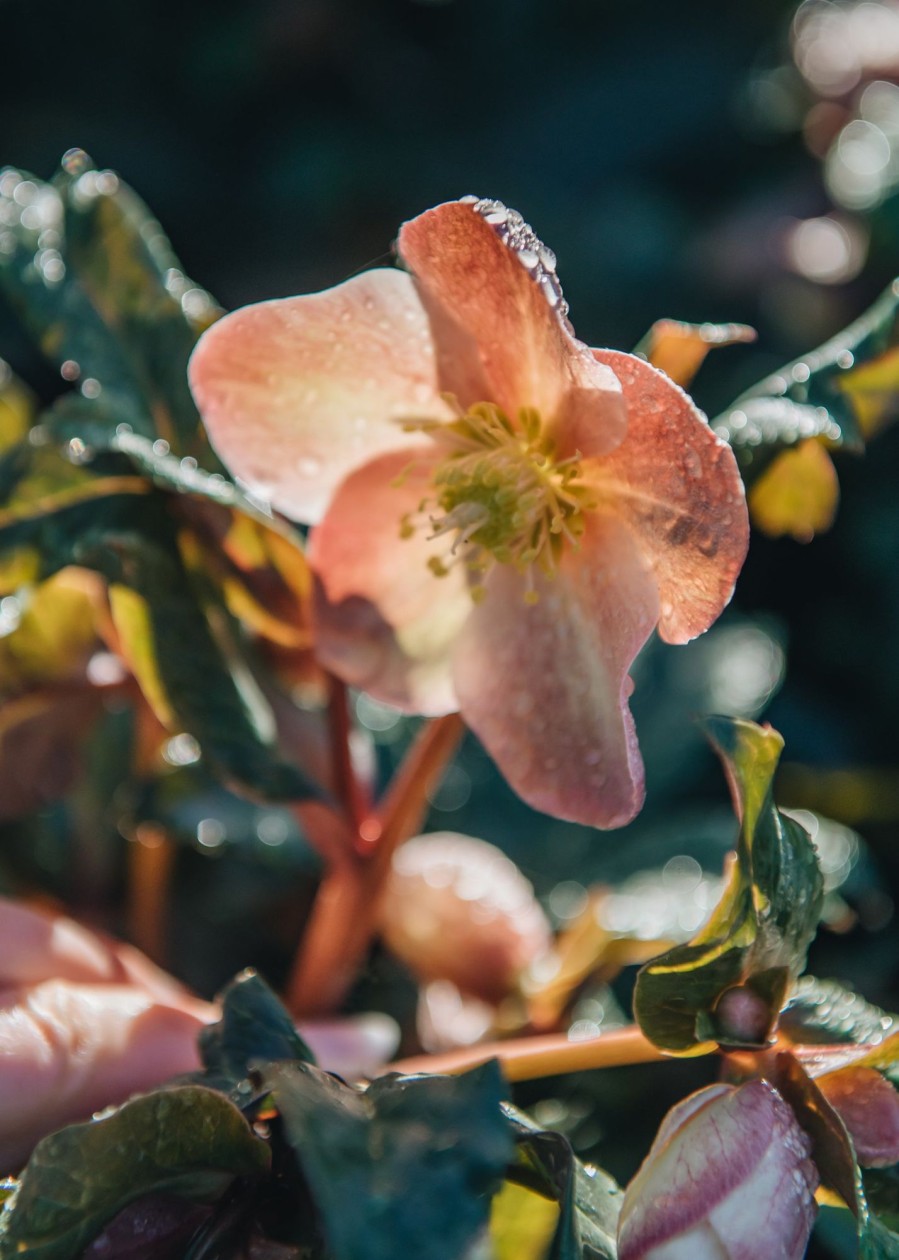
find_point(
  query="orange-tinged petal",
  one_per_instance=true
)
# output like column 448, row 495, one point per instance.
column 484, row 300
column 383, row 620
column 677, row 486
column 545, row 685
column 299, row 391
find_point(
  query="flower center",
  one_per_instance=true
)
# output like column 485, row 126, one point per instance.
column 501, row 493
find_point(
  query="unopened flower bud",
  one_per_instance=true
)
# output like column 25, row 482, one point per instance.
column 456, row 908
column 729, row 1175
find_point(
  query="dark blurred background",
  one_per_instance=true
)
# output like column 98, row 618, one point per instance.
column 683, row 160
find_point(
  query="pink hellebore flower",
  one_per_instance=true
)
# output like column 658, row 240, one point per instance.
column 729, row 1177
column 501, row 514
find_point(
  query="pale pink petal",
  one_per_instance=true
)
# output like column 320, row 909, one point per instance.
column 545, row 685
column 297, row 392
column 677, row 486
column 483, row 300
column 353, row 1046
column 384, row 622
column 69, row 1049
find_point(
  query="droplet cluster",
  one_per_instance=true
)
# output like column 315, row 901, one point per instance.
column 518, row 236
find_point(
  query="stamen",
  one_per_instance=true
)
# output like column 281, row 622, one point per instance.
column 500, row 491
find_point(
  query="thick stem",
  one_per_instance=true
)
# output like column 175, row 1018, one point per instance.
column 530, row 1058
column 345, row 915
column 347, row 788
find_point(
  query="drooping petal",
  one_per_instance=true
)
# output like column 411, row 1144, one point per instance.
column 299, row 391
column 384, row 621
column 677, row 486
column 545, row 685
column 483, row 298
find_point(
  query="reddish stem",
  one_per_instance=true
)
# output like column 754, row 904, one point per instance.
column 345, row 915
column 347, row 788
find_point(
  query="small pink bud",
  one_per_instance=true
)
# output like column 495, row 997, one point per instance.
column 456, row 908
column 729, row 1175
column 743, row 1016
column 869, row 1107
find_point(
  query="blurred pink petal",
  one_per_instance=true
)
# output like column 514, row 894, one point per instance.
column 456, row 908
column 545, row 685
column 299, row 391
column 68, row 1049
column 356, row 1046
column 869, row 1107
column 728, row 1177
column 584, row 480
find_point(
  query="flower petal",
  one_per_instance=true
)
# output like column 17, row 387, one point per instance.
column 678, row 487
column 869, row 1107
column 481, row 296
column 734, row 1161
column 299, row 391
column 545, row 685
column 384, row 621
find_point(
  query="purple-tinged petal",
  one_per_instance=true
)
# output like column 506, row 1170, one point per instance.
column 869, row 1107
column 729, row 1176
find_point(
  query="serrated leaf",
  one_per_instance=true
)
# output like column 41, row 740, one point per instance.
column 49, row 300
column 126, row 266
column 406, row 1168
column 756, row 939
column 589, row 1199
column 680, row 349
column 187, row 1140
column 829, row 1013
column 254, row 1028
column 840, row 395
column 93, row 279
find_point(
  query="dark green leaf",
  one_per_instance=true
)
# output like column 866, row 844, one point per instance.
column 254, row 1028
column 589, row 1199
column 126, row 266
column 188, row 1140
column 406, row 1168
column 52, row 304
column 842, row 393
column 729, row 983
column 94, row 280
column 186, row 660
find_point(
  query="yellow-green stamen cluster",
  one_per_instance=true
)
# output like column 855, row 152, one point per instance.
column 500, row 490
